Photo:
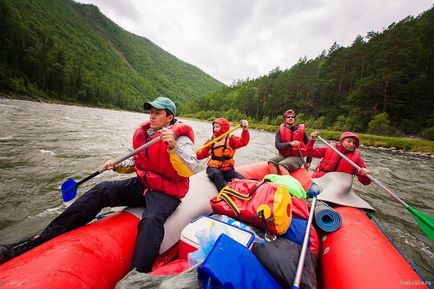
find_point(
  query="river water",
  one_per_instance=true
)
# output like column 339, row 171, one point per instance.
column 41, row 145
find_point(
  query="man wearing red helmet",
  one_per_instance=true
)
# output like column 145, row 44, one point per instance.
column 221, row 164
column 290, row 141
column 332, row 162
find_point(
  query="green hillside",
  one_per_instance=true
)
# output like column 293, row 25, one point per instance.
column 66, row 51
column 382, row 84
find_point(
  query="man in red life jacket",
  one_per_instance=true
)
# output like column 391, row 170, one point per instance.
column 162, row 179
column 332, row 162
column 290, row 141
column 221, row 164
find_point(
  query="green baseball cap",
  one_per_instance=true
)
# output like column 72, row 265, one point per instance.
column 161, row 102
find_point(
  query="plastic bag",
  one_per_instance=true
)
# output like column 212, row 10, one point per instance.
column 136, row 280
column 207, row 238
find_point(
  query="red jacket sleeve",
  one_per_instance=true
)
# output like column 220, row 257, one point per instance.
column 236, row 142
column 317, row 152
column 204, row 153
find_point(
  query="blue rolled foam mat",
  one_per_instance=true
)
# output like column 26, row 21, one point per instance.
column 326, row 218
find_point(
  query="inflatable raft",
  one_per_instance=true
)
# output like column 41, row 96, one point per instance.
column 99, row 254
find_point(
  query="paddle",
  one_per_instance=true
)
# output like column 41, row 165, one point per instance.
column 301, row 157
column 69, row 187
column 218, row 138
column 302, row 257
column 426, row 223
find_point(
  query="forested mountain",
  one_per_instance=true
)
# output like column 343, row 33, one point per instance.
column 382, row 84
column 63, row 50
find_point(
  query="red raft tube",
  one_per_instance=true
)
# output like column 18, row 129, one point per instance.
column 94, row 256
column 358, row 256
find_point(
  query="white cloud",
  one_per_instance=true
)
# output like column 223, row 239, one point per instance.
column 241, row 39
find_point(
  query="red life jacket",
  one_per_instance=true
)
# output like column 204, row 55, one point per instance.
column 222, row 155
column 286, row 135
column 332, row 162
column 153, row 166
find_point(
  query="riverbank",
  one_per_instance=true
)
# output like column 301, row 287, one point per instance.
column 405, row 145
column 414, row 146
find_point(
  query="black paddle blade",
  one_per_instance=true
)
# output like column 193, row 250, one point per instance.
column 69, row 190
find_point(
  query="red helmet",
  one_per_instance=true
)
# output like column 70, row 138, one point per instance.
column 349, row 134
column 224, row 124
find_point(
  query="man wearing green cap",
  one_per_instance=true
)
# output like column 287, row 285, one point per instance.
column 162, row 179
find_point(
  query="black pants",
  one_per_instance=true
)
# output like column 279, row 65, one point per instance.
column 220, row 178
column 159, row 206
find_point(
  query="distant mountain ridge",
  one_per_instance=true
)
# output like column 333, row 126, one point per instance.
column 63, row 50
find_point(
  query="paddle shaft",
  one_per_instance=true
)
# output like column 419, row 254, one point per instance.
column 302, row 257
column 121, row 159
column 218, row 138
column 377, row 182
column 301, row 155
column 89, row 177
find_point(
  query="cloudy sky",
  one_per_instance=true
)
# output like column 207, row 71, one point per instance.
column 239, row 39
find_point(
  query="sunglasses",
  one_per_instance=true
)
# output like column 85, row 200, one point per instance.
column 290, row 116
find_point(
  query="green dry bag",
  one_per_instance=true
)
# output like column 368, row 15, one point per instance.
column 292, row 184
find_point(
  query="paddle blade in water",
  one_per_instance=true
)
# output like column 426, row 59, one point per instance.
column 69, row 190
column 426, row 223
